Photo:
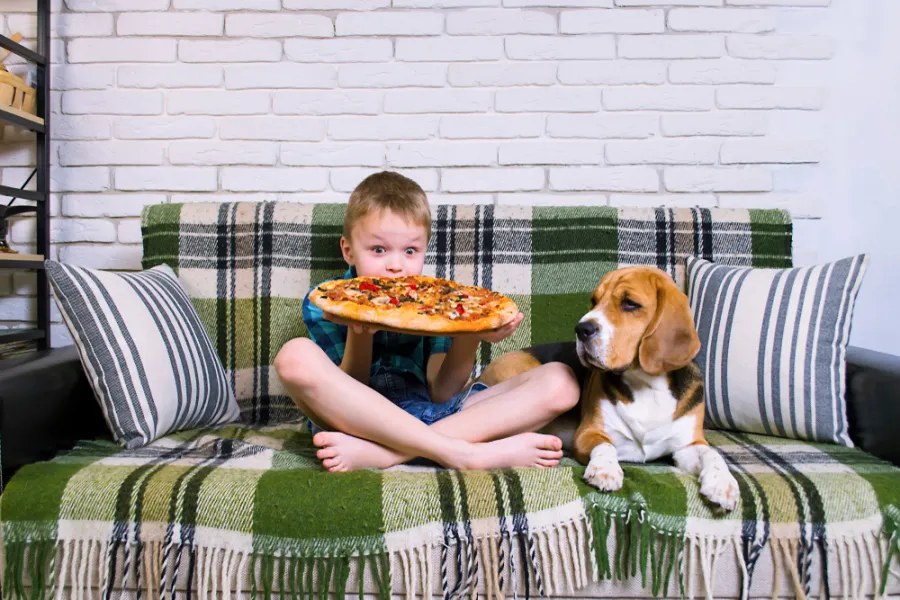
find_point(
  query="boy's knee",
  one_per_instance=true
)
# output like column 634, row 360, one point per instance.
column 562, row 386
column 293, row 362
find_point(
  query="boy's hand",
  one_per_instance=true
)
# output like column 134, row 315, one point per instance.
column 498, row 335
column 353, row 325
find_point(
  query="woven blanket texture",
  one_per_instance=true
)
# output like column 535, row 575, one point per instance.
column 209, row 507
column 206, row 506
column 247, row 267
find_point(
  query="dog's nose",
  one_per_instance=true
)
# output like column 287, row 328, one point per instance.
column 586, row 329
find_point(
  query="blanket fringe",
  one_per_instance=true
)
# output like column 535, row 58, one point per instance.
column 604, row 545
column 892, row 531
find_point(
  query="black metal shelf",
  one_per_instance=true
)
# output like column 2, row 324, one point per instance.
column 40, row 124
column 20, row 335
column 17, row 48
column 12, row 192
column 21, row 119
column 21, row 265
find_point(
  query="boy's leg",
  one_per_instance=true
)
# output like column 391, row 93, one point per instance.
column 522, row 404
column 351, row 407
column 311, row 414
column 526, row 402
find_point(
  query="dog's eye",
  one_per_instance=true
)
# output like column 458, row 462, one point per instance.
column 629, row 305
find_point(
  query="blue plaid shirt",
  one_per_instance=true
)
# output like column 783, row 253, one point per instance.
column 391, row 352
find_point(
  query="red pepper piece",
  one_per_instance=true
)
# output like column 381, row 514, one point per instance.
column 463, row 295
column 368, row 286
column 394, row 301
column 413, row 286
column 460, row 309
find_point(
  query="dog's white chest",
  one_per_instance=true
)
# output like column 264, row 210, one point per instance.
column 644, row 430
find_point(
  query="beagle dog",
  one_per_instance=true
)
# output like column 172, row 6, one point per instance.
column 642, row 395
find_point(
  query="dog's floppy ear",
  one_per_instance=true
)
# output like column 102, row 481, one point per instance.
column 671, row 340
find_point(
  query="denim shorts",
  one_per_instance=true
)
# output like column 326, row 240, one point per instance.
column 412, row 395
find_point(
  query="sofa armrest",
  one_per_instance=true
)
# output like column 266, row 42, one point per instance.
column 46, row 405
column 873, row 402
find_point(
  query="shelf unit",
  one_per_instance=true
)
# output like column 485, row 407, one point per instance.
column 40, row 125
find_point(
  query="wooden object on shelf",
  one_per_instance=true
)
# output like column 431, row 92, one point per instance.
column 22, row 113
column 4, row 53
column 14, row 91
column 14, row 255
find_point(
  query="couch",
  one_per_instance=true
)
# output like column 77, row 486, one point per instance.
column 244, row 509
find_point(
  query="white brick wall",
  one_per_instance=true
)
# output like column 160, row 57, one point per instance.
column 575, row 102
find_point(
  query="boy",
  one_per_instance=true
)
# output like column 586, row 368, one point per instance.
column 378, row 399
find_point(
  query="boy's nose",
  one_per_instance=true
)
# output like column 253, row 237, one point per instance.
column 393, row 265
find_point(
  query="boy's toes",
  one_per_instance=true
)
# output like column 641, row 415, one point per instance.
column 551, row 442
column 330, row 463
column 547, row 462
column 327, row 452
column 550, row 454
column 322, row 439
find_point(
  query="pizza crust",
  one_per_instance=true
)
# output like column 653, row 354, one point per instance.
column 407, row 318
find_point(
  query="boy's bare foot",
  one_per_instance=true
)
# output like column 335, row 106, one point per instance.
column 342, row 452
column 522, row 450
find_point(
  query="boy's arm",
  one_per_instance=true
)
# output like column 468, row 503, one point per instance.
column 448, row 373
column 357, row 362
column 350, row 351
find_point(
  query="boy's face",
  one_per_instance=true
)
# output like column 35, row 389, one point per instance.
column 384, row 244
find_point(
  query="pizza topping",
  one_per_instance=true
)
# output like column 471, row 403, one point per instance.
column 422, row 295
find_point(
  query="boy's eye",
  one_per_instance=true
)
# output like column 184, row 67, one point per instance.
column 378, row 249
column 410, row 251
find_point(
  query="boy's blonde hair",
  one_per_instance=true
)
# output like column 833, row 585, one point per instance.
column 392, row 191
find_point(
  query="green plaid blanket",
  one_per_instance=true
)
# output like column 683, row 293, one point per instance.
column 247, row 509
column 247, row 267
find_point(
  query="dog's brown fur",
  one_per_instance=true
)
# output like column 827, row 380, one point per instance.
column 659, row 338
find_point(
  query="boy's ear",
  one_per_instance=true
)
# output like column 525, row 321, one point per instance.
column 345, row 250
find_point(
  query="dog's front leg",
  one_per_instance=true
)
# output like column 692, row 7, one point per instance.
column 717, row 484
column 591, row 444
column 596, row 450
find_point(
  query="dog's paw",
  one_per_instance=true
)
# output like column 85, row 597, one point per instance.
column 719, row 486
column 603, row 471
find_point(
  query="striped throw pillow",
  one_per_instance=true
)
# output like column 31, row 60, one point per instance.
column 149, row 360
column 773, row 346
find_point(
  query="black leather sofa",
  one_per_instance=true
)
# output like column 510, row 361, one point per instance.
column 46, row 405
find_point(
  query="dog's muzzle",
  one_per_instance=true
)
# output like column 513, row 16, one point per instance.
column 588, row 337
column 585, row 330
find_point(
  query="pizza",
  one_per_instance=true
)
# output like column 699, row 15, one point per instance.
column 415, row 304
